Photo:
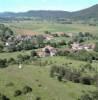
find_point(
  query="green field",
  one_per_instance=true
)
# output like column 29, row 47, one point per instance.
column 34, row 76
column 40, row 27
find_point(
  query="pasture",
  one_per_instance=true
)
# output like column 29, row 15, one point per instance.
column 43, row 86
column 34, row 27
column 38, row 77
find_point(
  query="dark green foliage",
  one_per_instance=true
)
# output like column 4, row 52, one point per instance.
column 33, row 53
column 26, row 90
column 3, row 63
column 59, row 78
column 96, row 47
column 82, row 55
column 38, row 98
column 23, row 58
column 11, row 61
column 1, row 48
column 17, row 93
column 87, row 80
column 5, row 32
column 47, row 32
column 63, row 52
column 64, row 73
column 10, row 84
column 89, row 96
column 3, row 97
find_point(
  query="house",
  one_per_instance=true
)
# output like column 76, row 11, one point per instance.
column 64, row 34
column 47, row 51
column 69, row 34
column 51, row 51
column 48, row 37
column 76, row 46
column 87, row 47
column 60, row 33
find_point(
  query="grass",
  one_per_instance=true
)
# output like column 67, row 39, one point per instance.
column 13, row 54
column 33, row 76
column 40, row 27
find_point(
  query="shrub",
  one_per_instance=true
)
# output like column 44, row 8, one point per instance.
column 17, row 93
column 3, row 97
column 33, row 53
column 26, row 89
column 59, row 78
column 96, row 47
column 38, row 98
column 86, row 80
column 90, row 96
column 3, row 63
column 11, row 61
column 1, row 48
column 10, row 84
column 63, row 73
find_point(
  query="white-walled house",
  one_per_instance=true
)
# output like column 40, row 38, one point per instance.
column 87, row 47
column 47, row 51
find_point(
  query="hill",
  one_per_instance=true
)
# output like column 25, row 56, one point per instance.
column 87, row 13
column 91, row 12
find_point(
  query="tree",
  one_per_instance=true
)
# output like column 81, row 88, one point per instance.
column 1, row 48
column 47, row 32
column 96, row 47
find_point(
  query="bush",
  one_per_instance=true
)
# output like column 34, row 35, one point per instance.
column 85, row 97
column 63, row 73
column 96, row 47
column 38, row 98
column 3, row 97
column 26, row 89
column 90, row 96
column 10, row 84
column 1, row 48
column 59, row 78
column 23, row 58
column 17, row 93
column 11, row 61
column 33, row 53
column 86, row 80
column 3, row 63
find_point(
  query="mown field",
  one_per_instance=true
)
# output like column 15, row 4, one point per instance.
column 34, row 27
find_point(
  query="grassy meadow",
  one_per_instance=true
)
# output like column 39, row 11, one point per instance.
column 49, row 89
column 41, row 26
column 38, row 77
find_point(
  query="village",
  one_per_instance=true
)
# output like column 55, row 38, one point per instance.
column 44, row 45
